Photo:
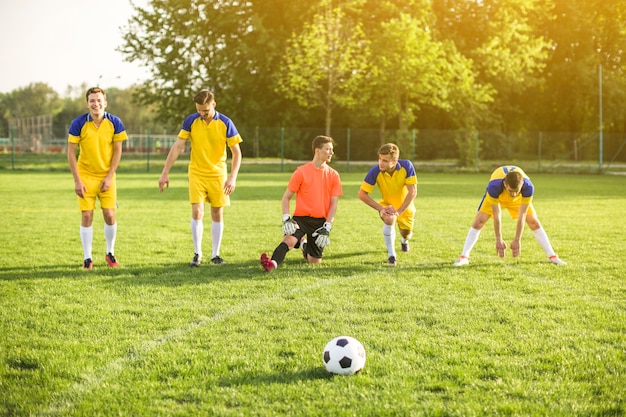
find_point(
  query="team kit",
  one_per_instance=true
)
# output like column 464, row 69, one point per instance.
column 97, row 137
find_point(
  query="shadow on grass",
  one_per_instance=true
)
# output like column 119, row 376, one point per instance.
column 279, row 377
column 175, row 274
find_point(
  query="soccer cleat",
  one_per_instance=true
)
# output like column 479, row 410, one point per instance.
column 463, row 260
column 196, row 261
column 87, row 264
column 111, row 261
column 391, row 261
column 405, row 246
column 218, row 260
column 556, row 261
column 267, row 263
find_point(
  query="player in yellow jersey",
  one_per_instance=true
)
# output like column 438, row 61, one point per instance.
column 317, row 188
column 99, row 135
column 397, row 182
column 508, row 188
column 210, row 133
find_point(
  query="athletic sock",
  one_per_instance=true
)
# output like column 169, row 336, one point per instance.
column 197, row 229
column 470, row 241
column 279, row 253
column 110, row 233
column 86, row 238
column 544, row 242
column 389, row 235
column 217, row 231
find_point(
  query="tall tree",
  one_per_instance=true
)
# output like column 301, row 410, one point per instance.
column 229, row 46
column 501, row 39
column 325, row 63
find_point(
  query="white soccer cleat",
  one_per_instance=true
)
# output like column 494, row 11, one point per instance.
column 555, row 260
column 462, row 261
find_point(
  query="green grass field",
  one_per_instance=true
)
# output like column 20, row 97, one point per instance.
column 157, row 338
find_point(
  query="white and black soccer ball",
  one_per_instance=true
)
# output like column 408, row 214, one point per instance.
column 344, row 355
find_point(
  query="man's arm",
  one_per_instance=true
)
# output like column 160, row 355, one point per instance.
column 286, row 200
column 177, row 148
column 79, row 187
column 367, row 199
column 497, row 228
column 115, row 163
column 516, row 244
column 330, row 217
column 231, row 181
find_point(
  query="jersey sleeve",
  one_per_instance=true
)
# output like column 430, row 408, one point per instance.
column 76, row 127
column 369, row 182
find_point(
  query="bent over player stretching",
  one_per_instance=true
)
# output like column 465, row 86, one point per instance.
column 508, row 188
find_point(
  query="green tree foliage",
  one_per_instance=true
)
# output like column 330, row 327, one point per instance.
column 231, row 47
column 324, row 65
column 584, row 35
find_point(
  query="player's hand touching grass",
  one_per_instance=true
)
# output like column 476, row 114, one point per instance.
column 500, row 247
column 516, row 248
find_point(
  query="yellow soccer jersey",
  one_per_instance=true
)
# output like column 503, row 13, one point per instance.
column 496, row 193
column 208, row 143
column 392, row 187
column 96, row 143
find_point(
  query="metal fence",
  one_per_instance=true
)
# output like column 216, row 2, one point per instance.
column 458, row 148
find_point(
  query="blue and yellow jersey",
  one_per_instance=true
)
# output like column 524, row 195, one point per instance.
column 96, row 143
column 208, row 143
column 392, row 187
column 496, row 192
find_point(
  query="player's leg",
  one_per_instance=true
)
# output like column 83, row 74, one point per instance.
column 217, row 232
column 314, row 253
column 87, row 205
column 279, row 254
column 218, row 200
column 542, row 237
column 389, row 237
column 197, row 199
column 108, row 203
column 406, row 223
column 482, row 216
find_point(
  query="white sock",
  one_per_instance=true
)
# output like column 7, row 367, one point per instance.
column 197, row 228
column 110, row 232
column 470, row 241
column 543, row 240
column 389, row 234
column 217, row 231
column 86, row 238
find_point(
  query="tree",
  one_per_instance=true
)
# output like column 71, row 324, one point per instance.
column 324, row 64
column 228, row 46
column 500, row 37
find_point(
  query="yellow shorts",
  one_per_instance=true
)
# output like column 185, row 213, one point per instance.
column 506, row 202
column 108, row 198
column 211, row 190
column 406, row 220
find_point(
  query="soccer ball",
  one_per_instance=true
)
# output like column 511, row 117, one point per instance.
column 344, row 355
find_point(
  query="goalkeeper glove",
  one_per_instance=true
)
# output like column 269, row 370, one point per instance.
column 289, row 225
column 322, row 233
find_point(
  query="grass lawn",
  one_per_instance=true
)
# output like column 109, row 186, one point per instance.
column 158, row 338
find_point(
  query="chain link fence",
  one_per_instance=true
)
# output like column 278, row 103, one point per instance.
column 438, row 149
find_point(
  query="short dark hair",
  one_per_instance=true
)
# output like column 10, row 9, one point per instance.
column 319, row 141
column 95, row 90
column 514, row 179
column 390, row 149
column 203, row 97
